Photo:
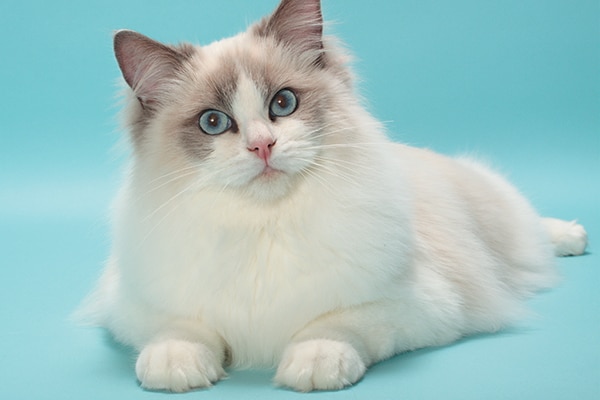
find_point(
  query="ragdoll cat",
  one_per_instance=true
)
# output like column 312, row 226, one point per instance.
column 266, row 220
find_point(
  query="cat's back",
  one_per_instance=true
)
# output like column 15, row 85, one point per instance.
column 468, row 218
column 432, row 175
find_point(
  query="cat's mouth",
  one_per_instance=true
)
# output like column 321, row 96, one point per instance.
column 269, row 176
column 270, row 184
column 269, row 172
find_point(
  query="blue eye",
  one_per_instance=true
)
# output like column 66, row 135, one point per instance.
column 213, row 122
column 284, row 103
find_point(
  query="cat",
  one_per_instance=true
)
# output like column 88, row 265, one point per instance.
column 267, row 221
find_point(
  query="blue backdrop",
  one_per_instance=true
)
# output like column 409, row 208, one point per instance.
column 516, row 82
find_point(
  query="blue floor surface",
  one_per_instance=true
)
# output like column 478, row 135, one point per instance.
column 514, row 82
column 553, row 355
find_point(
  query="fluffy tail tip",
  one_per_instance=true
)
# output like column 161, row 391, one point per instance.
column 568, row 237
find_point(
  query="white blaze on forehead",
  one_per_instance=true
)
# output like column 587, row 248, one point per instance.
column 248, row 103
column 251, row 112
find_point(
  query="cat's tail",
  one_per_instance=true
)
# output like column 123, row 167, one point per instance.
column 568, row 237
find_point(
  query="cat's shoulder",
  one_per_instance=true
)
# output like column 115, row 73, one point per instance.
column 419, row 154
column 425, row 164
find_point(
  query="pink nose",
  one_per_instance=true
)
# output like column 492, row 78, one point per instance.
column 262, row 148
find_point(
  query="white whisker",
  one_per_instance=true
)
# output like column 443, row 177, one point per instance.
column 175, row 201
column 327, row 130
column 168, row 182
column 164, row 217
column 350, row 166
column 171, row 173
column 166, row 203
column 310, row 173
column 324, row 166
column 358, row 145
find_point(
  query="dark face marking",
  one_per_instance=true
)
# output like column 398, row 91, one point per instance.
column 215, row 91
column 221, row 86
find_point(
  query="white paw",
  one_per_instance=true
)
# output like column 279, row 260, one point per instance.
column 177, row 366
column 319, row 365
column 571, row 241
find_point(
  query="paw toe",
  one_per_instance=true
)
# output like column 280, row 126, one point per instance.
column 177, row 366
column 320, row 365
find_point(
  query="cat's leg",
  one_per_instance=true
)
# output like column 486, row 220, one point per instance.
column 568, row 237
column 320, row 364
column 335, row 350
column 332, row 351
column 176, row 354
column 180, row 360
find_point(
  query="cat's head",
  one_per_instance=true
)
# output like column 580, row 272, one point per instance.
column 252, row 113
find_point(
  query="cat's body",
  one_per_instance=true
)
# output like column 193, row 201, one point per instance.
column 287, row 230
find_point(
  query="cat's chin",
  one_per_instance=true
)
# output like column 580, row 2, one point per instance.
column 269, row 173
column 270, row 184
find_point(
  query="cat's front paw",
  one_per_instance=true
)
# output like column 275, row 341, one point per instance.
column 177, row 366
column 319, row 364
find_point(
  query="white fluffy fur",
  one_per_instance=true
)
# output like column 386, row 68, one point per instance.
column 358, row 250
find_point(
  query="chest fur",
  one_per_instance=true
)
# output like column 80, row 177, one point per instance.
column 258, row 277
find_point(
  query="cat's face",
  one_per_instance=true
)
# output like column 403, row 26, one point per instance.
column 249, row 113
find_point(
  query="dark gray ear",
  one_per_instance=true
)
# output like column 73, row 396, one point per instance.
column 297, row 23
column 147, row 65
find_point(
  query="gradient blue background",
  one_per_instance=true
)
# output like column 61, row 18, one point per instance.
column 516, row 82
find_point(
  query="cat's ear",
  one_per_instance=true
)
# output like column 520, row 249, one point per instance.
column 298, row 24
column 147, row 66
